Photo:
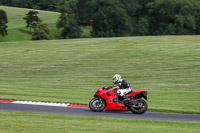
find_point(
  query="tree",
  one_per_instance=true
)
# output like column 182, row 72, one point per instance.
column 68, row 21
column 6, row 2
column 32, row 19
column 142, row 27
column 63, row 16
column 173, row 17
column 47, row 5
column 3, row 22
column 85, row 11
column 71, row 29
column 41, row 32
column 131, row 7
column 111, row 20
column 24, row 3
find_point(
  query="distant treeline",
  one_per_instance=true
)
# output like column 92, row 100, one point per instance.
column 127, row 17
column 50, row 5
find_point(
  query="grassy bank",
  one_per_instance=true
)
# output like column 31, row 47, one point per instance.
column 18, row 122
column 71, row 70
column 17, row 30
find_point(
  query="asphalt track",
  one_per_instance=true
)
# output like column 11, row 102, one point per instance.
column 87, row 112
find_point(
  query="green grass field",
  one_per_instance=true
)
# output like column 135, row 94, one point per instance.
column 72, row 70
column 18, row 122
column 17, row 30
column 15, row 16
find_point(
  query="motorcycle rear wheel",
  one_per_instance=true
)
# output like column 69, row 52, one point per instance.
column 97, row 104
column 140, row 108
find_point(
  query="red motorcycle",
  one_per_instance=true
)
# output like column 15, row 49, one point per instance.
column 108, row 100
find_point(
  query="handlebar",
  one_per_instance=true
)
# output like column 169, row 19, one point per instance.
column 107, row 88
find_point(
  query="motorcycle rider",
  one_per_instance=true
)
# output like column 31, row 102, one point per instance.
column 124, row 86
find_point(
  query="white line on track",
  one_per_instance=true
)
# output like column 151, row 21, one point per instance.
column 42, row 103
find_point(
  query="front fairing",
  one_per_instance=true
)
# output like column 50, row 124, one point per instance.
column 108, row 96
column 102, row 92
column 98, row 92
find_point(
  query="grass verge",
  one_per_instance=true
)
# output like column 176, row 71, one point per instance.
column 18, row 122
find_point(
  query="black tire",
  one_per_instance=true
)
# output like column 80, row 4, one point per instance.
column 140, row 108
column 97, row 104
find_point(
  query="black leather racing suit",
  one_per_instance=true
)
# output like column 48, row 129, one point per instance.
column 124, row 87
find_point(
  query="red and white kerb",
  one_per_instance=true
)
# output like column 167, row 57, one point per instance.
column 45, row 103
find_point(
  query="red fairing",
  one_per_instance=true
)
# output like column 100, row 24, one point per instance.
column 109, row 95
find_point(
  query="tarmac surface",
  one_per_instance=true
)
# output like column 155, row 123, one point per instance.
column 88, row 112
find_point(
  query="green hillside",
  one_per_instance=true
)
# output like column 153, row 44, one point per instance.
column 71, row 70
column 17, row 30
column 15, row 16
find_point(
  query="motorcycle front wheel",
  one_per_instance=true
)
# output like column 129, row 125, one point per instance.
column 97, row 104
column 140, row 107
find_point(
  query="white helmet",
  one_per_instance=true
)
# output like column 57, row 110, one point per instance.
column 116, row 78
